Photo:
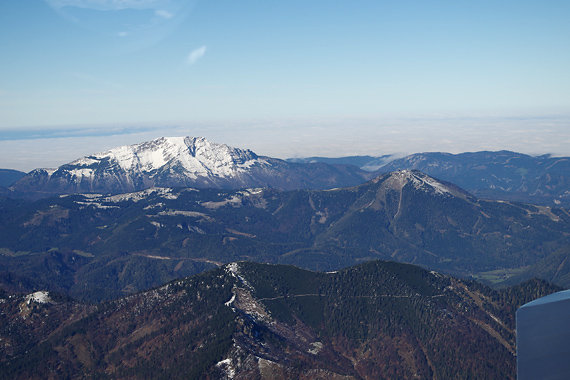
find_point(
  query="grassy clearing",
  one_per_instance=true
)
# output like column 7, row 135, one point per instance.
column 9, row 252
column 83, row 253
column 498, row 275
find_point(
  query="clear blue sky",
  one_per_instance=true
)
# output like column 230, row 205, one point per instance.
column 274, row 69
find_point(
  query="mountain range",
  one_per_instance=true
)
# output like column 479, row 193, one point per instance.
column 255, row 321
column 503, row 175
column 498, row 175
column 197, row 162
column 110, row 226
column 181, row 162
column 142, row 239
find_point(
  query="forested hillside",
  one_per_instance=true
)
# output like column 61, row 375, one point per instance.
column 247, row 321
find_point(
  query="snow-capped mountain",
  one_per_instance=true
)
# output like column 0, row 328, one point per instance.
column 193, row 156
column 186, row 162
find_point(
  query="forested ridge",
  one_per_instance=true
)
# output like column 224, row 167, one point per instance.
column 375, row 320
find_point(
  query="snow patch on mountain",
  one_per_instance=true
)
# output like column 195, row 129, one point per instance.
column 137, row 196
column 191, row 214
column 98, row 200
column 234, row 200
column 83, row 172
column 228, row 368
column 418, row 180
column 231, row 300
column 438, row 187
column 88, row 196
column 95, row 204
column 38, row 297
column 48, row 171
column 233, row 270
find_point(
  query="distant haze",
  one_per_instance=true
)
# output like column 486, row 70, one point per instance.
column 26, row 149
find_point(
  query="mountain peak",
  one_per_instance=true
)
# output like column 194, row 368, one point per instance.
column 419, row 181
column 195, row 154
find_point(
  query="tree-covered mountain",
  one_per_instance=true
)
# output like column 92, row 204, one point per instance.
column 554, row 268
column 502, row 175
column 9, row 176
column 497, row 175
column 100, row 247
column 254, row 321
column 181, row 161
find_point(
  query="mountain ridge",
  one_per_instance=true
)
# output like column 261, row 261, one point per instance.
column 502, row 174
column 541, row 179
column 196, row 162
column 9, row 176
column 246, row 320
column 166, row 233
column 181, row 162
